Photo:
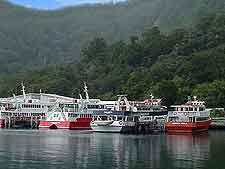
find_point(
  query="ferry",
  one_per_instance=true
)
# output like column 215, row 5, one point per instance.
column 76, row 115
column 188, row 118
column 125, row 112
column 23, row 111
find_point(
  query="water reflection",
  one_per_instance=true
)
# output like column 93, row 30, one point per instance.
column 70, row 149
column 188, row 151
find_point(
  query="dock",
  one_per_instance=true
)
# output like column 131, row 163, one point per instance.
column 30, row 122
column 218, row 123
column 150, row 127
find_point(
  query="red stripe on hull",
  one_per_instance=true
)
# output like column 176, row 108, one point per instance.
column 79, row 124
column 2, row 123
column 187, row 127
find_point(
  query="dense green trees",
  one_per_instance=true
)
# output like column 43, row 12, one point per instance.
column 171, row 66
column 31, row 38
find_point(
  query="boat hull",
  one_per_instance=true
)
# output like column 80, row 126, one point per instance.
column 79, row 124
column 187, row 127
column 115, row 127
column 2, row 123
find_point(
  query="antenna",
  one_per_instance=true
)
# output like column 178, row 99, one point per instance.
column 189, row 98
column 195, row 98
column 151, row 96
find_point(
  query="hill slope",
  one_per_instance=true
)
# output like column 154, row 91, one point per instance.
column 171, row 66
column 32, row 38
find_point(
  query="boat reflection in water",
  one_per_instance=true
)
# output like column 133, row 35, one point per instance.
column 189, row 151
column 63, row 149
column 157, row 151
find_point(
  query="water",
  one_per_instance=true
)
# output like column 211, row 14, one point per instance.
column 58, row 149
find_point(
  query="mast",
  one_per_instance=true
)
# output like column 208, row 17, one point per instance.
column 86, row 92
column 151, row 96
column 81, row 98
column 23, row 90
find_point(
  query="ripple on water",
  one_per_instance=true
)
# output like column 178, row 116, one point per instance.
column 63, row 149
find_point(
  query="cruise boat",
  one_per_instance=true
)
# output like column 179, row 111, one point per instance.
column 150, row 109
column 66, row 116
column 125, row 112
column 188, row 118
column 112, row 120
column 23, row 111
column 76, row 115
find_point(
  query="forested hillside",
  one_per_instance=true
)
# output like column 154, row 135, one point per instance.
column 171, row 66
column 31, row 38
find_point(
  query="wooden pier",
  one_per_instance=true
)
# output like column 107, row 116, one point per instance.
column 218, row 123
column 25, row 122
column 150, row 127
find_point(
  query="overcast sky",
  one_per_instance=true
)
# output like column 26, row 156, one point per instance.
column 53, row 4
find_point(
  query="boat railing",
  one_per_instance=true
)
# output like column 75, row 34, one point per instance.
column 129, row 123
column 189, row 113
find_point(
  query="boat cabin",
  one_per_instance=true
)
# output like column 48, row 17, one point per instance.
column 192, row 111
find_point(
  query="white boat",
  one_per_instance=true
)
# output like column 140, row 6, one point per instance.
column 107, row 126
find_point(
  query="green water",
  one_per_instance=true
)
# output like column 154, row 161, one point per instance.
column 63, row 149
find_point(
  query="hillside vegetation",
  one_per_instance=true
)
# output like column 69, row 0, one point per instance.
column 32, row 39
column 171, row 66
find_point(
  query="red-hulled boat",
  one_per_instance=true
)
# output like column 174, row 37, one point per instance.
column 2, row 123
column 75, row 115
column 67, row 116
column 188, row 118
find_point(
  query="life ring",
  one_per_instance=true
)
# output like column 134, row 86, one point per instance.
column 185, row 114
column 120, row 122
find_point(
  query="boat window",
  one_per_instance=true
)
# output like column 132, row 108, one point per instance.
column 201, row 108
column 119, row 118
column 190, row 108
column 181, row 109
column 202, row 118
column 159, row 118
column 92, row 106
column 196, row 109
column 186, row 108
column 136, row 118
column 173, row 119
column 104, row 118
column 114, row 118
